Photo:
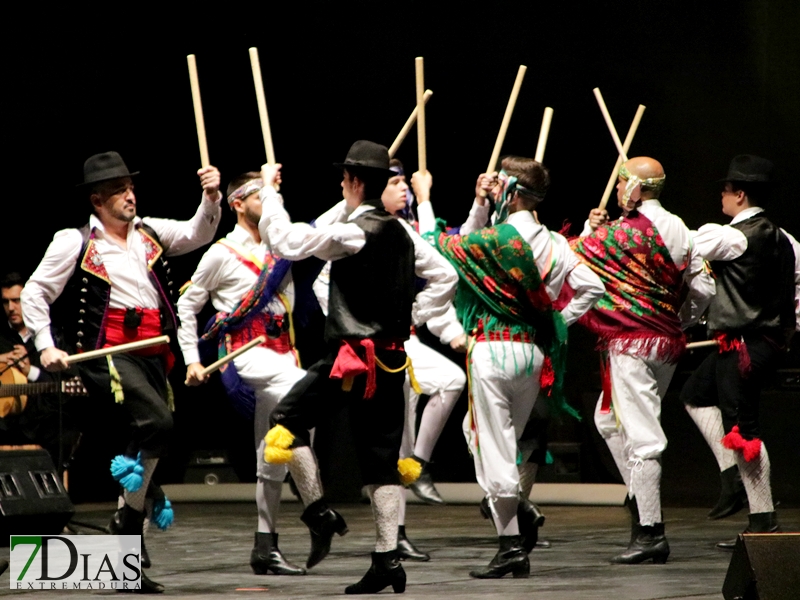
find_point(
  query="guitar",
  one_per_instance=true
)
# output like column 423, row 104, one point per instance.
column 15, row 389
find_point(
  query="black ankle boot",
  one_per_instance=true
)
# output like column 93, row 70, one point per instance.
column 633, row 508
column 732, row 495
column 385, row 571
column 530, row 518
column 113, row 529
column 650, row 542
column 759, row 523
column 322, row 522
column 423, row 487
column 511, row 558
column 128, row 521
column 406, row 550
column 266, row 557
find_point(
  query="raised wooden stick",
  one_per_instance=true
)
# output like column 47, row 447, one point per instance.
column 266, row 132
column 422, row 163
column 92, row 354
column 612, row 180
column 226, row 359
column 407, row 127
column 704, row 344
column 610, row 124
column 198, row 111
column 501, row 135
column 543, row 133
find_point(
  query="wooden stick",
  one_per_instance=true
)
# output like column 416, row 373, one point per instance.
column 198, row 111
column 695, row 345
column 251, row 344
column 266, row 132
column 612, row 130
column 612, row 180
column 422, row 163
column 543, row 133
column 407, row 127
column 92, row 354
column 501, row 135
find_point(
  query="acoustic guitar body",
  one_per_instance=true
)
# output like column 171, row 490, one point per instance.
column 12, row 405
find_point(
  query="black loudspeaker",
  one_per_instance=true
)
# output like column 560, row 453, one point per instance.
column 32, row 499
column 764, row 566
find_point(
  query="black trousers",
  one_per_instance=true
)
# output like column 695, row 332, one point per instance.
column 718, row 382
column 376, row 423
column 144, row 384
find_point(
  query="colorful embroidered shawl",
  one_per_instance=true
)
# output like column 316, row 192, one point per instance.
column 640, row 306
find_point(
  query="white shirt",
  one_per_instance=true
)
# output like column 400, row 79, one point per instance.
column 127, row 268
column 333, row 239
column 223, row 278
column 684, row 249
column 554, row 258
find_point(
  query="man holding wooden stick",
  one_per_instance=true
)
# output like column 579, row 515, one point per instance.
column 112, row 282
column 644, row 259
column 371, row 300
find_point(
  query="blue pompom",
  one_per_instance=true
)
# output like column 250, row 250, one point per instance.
column 163, row 515
column 128, row 471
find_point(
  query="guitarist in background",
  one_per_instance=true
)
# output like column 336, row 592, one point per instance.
column 38, row 422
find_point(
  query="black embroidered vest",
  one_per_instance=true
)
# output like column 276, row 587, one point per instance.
column 80, row 310
column 756, row 290
column 371, row 292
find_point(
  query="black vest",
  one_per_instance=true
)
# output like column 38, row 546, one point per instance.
column 371, row 292
column 756, row 290
column 80, row 309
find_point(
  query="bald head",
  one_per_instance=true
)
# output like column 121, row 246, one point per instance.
column 645, row 167
column 651, row 174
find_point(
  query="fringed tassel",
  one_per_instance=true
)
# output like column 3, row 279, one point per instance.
column 278, row 440
column 369, row 348
column 412, row 379
column 163, row 515
column 728, row 343
column 548, row 376
column 128, row 472
column 734, row 441
column 410, row 469
column 116, row 382
column 605, row 376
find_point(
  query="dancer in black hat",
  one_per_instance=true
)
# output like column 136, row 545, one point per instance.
column 112, row 284
column 371, row 298
column 751, row 316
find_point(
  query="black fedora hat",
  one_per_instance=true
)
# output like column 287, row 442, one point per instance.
column 364, row 154
column 747, row 168
column 104, row 167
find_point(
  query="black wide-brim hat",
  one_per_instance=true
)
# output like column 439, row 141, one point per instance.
column 747, row 168
column 104, row 167
column 364, row 154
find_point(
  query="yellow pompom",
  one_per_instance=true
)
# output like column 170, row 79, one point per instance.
column 277, row 456
column 279, row 437
column 410, row 469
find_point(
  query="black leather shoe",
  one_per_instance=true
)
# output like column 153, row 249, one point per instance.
column 423, row 487
column 322, row 522
column 759, row 523
column 543, row 544
column 732, row 495
column 128, row 521
column 114, row 529
column 406, row 550
column 650, row 542
column 530, row 518
column 511, row 558
column 385, row 571
column 266, row 557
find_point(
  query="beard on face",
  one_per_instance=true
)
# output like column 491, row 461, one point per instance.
column 252, row 217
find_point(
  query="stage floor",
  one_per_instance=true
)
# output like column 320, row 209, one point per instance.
column 206, row 553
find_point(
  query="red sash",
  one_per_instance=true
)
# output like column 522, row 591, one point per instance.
column 117, row 333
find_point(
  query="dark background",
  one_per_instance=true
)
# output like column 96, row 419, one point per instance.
column 718, row 79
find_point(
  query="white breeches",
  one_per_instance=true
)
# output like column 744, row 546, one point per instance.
column 503, row 394
column 271, row 376
column 638, row 385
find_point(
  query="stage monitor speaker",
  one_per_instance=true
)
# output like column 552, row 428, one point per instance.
column 32, row 499
column 764, row 566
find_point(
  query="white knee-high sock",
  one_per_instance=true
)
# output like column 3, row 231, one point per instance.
column 616, row 445
column 434, row 418
column 305, row 472
column 646, row 486
column 385, row 508
column 709, row 421
column 755, row 476
column 268, row 502
column 504, row 511
column 136, row 499
column 527, row 477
